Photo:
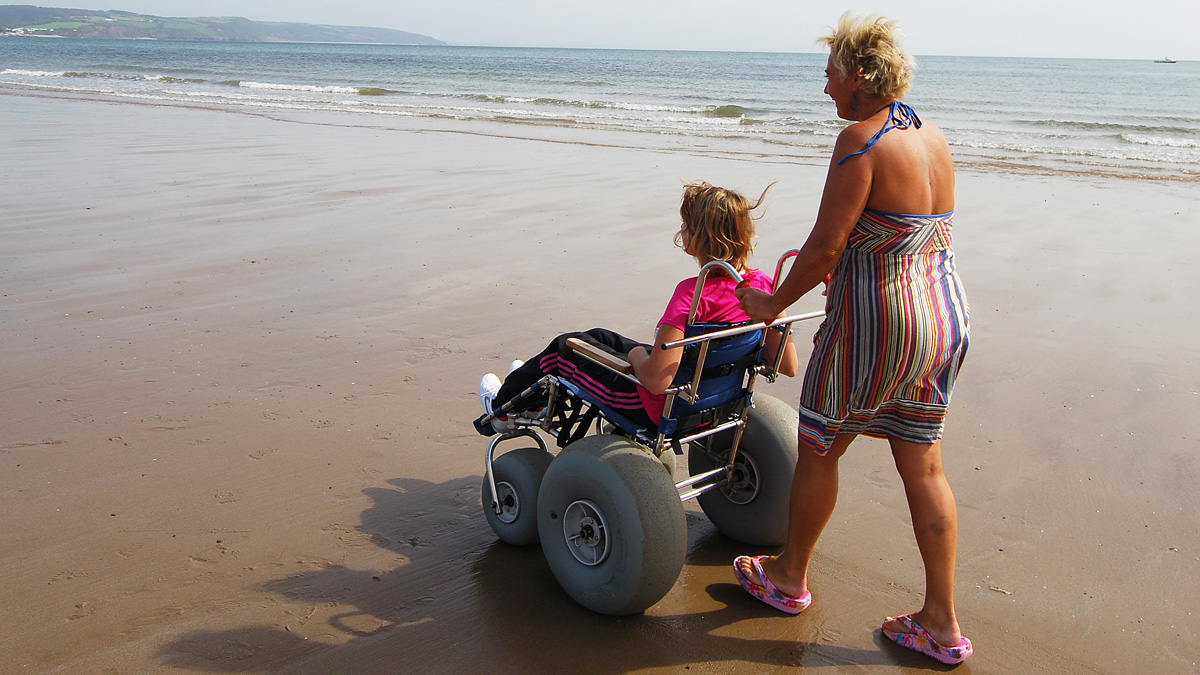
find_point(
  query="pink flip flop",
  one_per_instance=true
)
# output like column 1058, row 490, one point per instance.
column 919, row 640
column 766, row 591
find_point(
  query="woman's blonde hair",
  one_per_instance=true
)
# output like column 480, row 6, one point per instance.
column 870, row 46
column 718, row 223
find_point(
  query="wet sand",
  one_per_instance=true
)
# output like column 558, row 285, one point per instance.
column 240, row 357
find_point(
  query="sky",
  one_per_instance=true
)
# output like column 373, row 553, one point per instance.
column 1116, row 29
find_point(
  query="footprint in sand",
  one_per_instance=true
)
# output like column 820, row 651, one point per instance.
column 81, row 610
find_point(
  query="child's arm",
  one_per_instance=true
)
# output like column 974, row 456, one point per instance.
column 600, row 356
column 791, row 362
column 656, row 368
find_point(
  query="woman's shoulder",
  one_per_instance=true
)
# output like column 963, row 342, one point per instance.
column 854, row 135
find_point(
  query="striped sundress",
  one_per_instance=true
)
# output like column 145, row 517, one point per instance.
column 894, row 335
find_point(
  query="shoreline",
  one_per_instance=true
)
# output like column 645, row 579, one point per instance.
column 747, row 149
column 240, row 373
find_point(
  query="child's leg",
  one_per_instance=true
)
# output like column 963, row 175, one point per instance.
column 531, row 371
column 559, row 359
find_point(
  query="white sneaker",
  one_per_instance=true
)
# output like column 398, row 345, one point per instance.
column 514, row 365
column 489, row 386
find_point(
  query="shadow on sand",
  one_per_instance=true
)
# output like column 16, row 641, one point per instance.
column 465, row 600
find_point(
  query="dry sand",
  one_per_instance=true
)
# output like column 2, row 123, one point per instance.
column 240, row 356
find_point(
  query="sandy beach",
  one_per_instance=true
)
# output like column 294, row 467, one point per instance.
column 240, row 356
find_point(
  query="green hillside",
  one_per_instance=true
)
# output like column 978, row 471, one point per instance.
column 87, row 23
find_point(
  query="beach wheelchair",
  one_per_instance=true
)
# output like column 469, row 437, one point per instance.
column 606, row 508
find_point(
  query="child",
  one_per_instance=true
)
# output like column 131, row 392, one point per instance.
column 717, row 225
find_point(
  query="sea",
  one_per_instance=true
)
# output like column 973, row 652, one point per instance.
column 1138, row 120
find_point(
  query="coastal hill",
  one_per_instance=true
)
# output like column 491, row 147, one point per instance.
column 87, row 23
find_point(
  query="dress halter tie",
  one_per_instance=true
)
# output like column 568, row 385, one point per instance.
column 901, row 116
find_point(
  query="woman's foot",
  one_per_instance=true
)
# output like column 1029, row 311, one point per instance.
column 779, row 577
column 920, row 633
column 757, row 582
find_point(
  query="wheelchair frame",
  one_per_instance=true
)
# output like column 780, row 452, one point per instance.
column 567, row 417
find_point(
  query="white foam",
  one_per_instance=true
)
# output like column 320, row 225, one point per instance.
column 298, row 87
column 1159, row 141
column 31, row 73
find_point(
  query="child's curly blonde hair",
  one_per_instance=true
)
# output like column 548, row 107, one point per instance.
column 718, row 223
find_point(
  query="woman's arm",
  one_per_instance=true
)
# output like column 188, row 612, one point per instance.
column 847, row 187
column 656, row 368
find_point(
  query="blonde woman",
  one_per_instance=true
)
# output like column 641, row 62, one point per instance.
column 895, row 335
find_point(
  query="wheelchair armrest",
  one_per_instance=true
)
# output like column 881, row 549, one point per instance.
column 600, row 356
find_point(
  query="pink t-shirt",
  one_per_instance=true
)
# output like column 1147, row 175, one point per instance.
column 717, row 303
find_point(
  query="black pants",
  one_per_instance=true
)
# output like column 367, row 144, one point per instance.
column 560, row 360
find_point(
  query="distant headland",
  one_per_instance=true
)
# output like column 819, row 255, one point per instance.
column 28, row 20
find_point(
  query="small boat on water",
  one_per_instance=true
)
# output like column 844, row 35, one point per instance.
column 1165, row 61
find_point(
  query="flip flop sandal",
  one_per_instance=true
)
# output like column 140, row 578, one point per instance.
column 766, row 591
column 919, row 640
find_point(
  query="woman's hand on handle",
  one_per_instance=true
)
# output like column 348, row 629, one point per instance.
column 756, row 303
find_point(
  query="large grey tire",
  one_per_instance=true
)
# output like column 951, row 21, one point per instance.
column 668, row 461
column 611, row 524
column 518, row 474
column 753, row 507
column 667, row 457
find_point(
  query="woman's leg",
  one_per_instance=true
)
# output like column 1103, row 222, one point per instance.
column 935, row 523
column 814, row 494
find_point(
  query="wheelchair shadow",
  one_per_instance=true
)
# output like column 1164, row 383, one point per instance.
column 463, row 600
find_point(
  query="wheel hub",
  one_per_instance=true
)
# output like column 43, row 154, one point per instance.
column 742, row 483
column 510, row 504
column 586, row 532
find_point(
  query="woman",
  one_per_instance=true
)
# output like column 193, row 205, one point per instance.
column 885, row 359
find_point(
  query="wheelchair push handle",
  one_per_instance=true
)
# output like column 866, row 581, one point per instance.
column 779, row 267
column 736, row 276
column 708, row 267
column 784, row 322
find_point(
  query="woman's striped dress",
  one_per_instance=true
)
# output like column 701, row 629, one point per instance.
column 894, row 335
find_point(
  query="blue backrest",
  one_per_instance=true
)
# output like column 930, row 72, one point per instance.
column 725, row 368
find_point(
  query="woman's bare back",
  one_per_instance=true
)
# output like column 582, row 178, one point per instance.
column 912, row 170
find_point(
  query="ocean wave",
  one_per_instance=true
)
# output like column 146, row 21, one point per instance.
column 1159, row 141
column 31, row 73
column 576, row 103
column 726, row 111
column 789, row 126
column 297, row 87
column 106, row 76
column 1160, row 152
column 1084, row 125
